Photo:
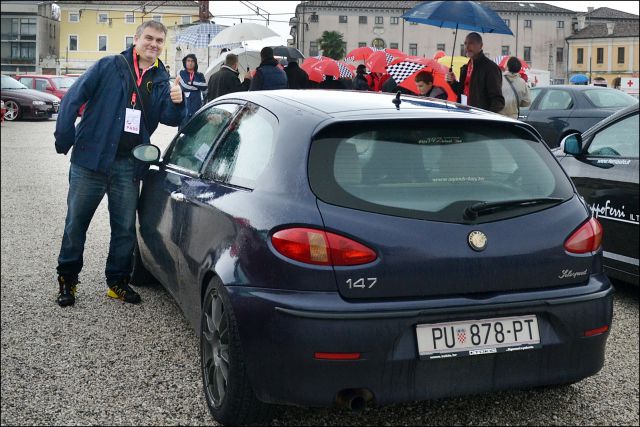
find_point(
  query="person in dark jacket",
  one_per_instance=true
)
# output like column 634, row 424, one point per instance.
column 480, row 82
column 268, row 75
column 117, row 118
column 297, row 78
column 226, row 79
column 331, row 83
column 424, row 83
column 360, row 81
column 193, row 85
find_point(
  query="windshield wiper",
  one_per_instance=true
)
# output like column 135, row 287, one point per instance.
column 472, row 212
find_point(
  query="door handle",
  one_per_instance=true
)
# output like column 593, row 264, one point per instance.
column 178, row 197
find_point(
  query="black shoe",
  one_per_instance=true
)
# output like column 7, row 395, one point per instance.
column 121, row 290
column 67, row 293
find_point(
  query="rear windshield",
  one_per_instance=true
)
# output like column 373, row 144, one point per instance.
column 433, row 170
column 63, row 82
column 608, row 98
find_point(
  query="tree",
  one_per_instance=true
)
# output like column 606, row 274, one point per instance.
column 331, row 44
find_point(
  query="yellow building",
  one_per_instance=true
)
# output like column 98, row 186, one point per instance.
column 90, row 30
column 606, row 50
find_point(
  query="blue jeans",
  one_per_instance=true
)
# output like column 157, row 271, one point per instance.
column 86, row 190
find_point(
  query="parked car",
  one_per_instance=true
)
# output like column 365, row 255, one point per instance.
column 55, row 85
column 558, row 111
column 21, row 102
column 331, row 248
column 603, row 163
column 2, row 111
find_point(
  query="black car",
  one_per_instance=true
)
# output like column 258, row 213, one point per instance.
column 23, row 103
column 558, row 111
column 603, row 163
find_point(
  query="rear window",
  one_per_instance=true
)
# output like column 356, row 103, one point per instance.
column 609, row 98
column 433, row 170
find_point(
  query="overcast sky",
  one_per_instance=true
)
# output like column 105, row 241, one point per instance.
column 282, row 11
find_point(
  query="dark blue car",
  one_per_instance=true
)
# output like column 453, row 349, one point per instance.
column 336, row 247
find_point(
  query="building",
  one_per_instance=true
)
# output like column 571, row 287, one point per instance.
column 89, row 30
column 30, row 34
column 540, row 31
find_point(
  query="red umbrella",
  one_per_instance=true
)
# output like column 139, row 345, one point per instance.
column 395, row 52
column 329, row 67
column 502, row 62
column 314, row 59
column 404, row 71
column 360, row 53
column 378, row 61
column 439, row 54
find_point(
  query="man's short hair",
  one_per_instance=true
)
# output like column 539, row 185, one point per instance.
column 231, row 60
column 158, row 26
column 266, row 53
column 425, row 77
column 475, row 37
column 514, row 65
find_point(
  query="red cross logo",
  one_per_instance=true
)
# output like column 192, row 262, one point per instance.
column 630, row 83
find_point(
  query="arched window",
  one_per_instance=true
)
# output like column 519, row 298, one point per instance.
column 379, row 43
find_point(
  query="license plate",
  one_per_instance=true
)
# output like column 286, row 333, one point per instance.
column 475, row 337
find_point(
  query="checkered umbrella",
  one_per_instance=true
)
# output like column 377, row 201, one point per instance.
column 378, row 61
column 329, row 67
column 404, row 71
column 199, row 35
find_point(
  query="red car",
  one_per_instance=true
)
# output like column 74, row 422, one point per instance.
column 55, row 85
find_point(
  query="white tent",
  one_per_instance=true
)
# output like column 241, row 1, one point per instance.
column 246, row 58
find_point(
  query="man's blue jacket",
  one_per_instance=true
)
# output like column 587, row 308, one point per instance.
column 106, row 89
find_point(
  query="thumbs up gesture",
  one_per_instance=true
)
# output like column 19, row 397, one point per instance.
column 176, row 92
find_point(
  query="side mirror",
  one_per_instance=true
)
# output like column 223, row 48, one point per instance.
column 572, row 144
column 148, row 153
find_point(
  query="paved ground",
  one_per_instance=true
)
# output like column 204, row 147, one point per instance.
column 103, row 362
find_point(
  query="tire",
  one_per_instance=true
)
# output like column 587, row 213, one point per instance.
column 140, row 276
column 13, row 110
column 230, row 398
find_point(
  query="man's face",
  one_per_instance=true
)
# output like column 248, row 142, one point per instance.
column 472, row 47
column 191, row 64
column 150, row 43
column 423, row 87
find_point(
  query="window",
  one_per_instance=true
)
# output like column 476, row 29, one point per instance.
column 362, row 44
column 74, row 17
column 186, row 20
column 393, row 45
column 128, row 42
column 395, row 20
column 102, row 43
column 192, row 146
column 620, row 55
column 41, row 85
column 441, row 46
column 342, row 19
column 527, row 23
column 506, row 50
column 580, row 59
column 362, row 19
column 313, row 17
column 378, row 43
column 413, row 49
column 527, row 54
column 245, row 152
column 507, row 22
column 462, row 50
column 73, row 42
column 600, row 55
column 157, row 18
column 560, row 24
column 609, row 98
column 103, row 18
column 27, row 81
column 379, row 20
column 28, row 28
column 560, row 54
column 313, row 48
column 555, row 99
column 129, row 18
column 618, row 140
column 27, row 51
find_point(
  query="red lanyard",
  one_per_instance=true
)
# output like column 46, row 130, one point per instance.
column 467, row 80
column 191, row 76
column 139, row 77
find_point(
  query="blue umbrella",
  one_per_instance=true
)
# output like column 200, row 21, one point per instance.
column 465, row 15
column 579, row 79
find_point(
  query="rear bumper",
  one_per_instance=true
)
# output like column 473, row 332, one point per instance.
column 280, row 332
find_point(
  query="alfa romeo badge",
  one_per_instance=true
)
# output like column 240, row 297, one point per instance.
column 477, row 240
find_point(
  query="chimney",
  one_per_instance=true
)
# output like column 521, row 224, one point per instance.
column 590, row 9
column 582, row 22
column 610, row 27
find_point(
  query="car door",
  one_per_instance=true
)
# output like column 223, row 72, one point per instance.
column 533, row 94
column 162, row 203
column 606, row 175
column 41, row 85
column 550, row 114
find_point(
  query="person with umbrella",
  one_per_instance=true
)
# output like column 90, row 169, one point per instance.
column 480, row 83
column 424, row 83
column 193, row 85
column 297, row 78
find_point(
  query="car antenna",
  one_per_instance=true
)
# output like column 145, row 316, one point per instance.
column 397, row 100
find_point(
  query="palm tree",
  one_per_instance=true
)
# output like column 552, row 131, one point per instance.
column 331, row 44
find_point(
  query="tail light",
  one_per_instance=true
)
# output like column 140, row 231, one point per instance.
column 320, row 247
column 587, row 238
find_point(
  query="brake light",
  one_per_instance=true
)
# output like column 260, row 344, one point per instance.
column 587, row 238
column 336, row 356
column 596, row 331
column 320, row 247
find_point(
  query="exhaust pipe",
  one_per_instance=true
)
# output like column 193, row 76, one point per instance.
column 354, row 399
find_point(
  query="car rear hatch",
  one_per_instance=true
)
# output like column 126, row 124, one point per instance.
column 413, row 192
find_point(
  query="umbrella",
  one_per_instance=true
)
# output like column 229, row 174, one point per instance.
column 404, row 71
column 242, row 33
column 247, row 58
column 360, row 53
column 330, row 67
column 439, row 54
column 378, row 61
column 579, row 79
column 502, row 62
column 310, row 60
column 465, row 15
column 199, row 35
column 454, row 63
column 287, row 52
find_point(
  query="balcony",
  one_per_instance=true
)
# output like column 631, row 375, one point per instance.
column 18, row 38
column 18, row 61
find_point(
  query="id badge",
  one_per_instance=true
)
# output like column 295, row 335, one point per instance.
column 132, row 121
column 463, row 99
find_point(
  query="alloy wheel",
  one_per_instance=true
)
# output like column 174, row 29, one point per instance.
column 215, row 349
column 12, row 110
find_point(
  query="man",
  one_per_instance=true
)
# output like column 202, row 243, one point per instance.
column 330, row 82
column 480, row 82
column 268, row 75
column 360, row 81
column 193, row 85
column 424, row 83
column 226, row 79
column 297, row 78
column 514, row 89
column 116, row 119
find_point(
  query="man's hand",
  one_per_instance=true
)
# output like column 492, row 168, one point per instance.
column 176, row 92
column 247, row 76
column 450, row 77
